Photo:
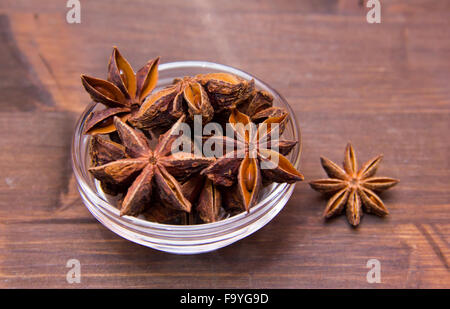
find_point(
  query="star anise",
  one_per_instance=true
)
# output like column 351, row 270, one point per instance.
column 122, row 93
column 162, row 214
column 259, row 107
column 148, row 171
column 191, row 189
column 204, row 94
column 185, row 94
column 209, row 202
column 353, row 188
column 252, row 157
column 102, row 150
column 225, row 90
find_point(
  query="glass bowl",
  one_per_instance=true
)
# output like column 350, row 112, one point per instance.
column 183, row 239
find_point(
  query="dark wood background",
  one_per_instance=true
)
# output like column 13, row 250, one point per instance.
column 385, row 87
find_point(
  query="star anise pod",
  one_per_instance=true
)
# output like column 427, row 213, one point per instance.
column 209, row 202
column 102, row 151
column 252, row 157
column 206, row 198
column 225, row 90
column 162, row 214
column 191, row 189
column 185, row 94
column 259, row 107
column 353, row 188
column 122, row 93
column 150, row 171
column 204, row 94
column 231, row 199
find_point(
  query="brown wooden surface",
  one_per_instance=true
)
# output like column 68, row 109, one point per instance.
column 385, row 87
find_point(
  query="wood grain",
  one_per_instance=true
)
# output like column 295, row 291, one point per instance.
column 382, row 86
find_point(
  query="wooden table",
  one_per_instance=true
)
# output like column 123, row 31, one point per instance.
column 385, row 87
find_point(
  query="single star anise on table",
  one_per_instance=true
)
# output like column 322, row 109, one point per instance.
column 146, row 172
column 353, row 188
column 122, row 93
column 252, row 157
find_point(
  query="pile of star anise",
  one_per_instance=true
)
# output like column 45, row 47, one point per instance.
column 134, row 134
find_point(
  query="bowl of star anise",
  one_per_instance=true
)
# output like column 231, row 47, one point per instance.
column 184, row 157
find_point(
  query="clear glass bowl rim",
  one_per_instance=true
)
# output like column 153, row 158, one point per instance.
column 142, row 226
